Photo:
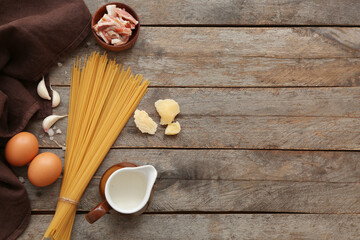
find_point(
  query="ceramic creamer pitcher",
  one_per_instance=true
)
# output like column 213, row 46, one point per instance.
column 126, row 188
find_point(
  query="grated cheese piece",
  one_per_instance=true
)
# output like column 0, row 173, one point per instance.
column 173, row 128
column 144, row 123
column 167, row 109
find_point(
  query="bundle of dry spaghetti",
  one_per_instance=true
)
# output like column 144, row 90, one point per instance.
column 103, row 97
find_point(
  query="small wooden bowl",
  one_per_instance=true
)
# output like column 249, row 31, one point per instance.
column 135, row 32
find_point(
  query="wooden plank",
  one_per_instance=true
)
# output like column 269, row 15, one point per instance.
column 250, row 165
column 224, row 195
column 236, row 57
column 299, row 133
column 304, row 119
column 265, row 12
column 227, row 180
column 208, row 226
column 295, row 102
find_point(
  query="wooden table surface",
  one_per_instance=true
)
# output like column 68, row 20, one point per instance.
column 270, row 112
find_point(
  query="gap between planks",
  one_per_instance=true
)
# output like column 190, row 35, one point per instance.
column 229, row 87
column 225, row 148
column 34, row 212
column 238, row 180
column 250, row 25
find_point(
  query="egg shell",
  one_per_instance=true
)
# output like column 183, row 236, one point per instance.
column 44, row 169
column 21, row 149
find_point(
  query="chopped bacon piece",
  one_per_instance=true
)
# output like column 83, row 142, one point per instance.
column 102, row 35
column 124, row 14
column 123, row 31
column 123, row 27
column 113, row 34
column 111, row 10
column 107, row 18
column 122, row 40
column 126, row 23
column 102, row 25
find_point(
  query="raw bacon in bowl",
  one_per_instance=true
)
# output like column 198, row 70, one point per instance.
column 116, row 26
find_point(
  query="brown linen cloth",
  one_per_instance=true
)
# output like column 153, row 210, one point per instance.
column 33, row 36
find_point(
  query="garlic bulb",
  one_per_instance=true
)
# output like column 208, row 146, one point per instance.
column 55, row 98
column 50, row 120
column 42, row 90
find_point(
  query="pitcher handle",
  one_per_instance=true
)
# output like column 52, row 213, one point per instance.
column 97, row 212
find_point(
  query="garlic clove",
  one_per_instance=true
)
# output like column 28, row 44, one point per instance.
column 42, row 90
column 55, row 99
column 51, row 120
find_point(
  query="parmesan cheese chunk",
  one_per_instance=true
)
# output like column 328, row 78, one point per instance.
column 167, row 109
column 144, row 123
column 173, row 128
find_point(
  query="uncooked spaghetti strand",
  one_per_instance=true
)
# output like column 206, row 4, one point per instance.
column 112, row 108
column 106, row 145
column 94, row 92
column 86, row 165
column 88, row 133
column 124, row 108
column 73, row 93
column 75, row 75
column 91, row 155
column 85, row 85
column 82, row 129
column 127, row 115
column 94, row 122
column 94, row 117
column 81, row 100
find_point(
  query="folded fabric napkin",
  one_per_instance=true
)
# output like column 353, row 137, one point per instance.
column 33, row 36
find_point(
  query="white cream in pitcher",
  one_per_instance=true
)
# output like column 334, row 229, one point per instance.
column 127, row 190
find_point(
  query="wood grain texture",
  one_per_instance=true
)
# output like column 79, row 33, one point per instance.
column 236, row 57
column 241, row 132
column 203, row 60
column 322, row 118
column 209, row 226
column 239, row 12
column 174, row 195
column 250, row 165
column 228, row 180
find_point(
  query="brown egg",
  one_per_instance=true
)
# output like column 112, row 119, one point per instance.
column 21, row 149
column 44, row 169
